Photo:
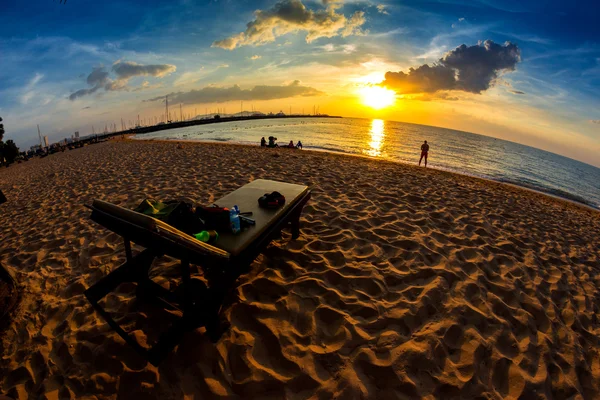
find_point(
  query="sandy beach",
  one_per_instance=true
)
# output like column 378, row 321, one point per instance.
column 405, row 283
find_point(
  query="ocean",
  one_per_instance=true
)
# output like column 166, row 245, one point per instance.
column 450, row 150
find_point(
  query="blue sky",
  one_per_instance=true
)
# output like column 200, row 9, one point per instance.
column 303, row 53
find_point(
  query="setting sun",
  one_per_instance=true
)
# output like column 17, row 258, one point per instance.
column 377, row 97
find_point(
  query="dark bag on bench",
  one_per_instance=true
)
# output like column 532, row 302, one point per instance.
column 216, row 218
column 178, row 214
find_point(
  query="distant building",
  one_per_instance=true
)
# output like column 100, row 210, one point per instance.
column 77, row 135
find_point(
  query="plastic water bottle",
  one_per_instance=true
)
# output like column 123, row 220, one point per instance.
column 207, row 236
column 234, row 220
column 237, row 210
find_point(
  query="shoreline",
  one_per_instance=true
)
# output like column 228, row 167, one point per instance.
column 584, row 203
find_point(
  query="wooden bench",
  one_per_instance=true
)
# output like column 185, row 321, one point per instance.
column 222, row 263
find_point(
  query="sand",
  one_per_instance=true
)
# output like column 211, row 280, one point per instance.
column 406, row 282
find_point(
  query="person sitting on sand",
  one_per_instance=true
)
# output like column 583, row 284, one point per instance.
column 291, row 144
column 424, row 151
column 299, row 145
column 272, row 143
column 263, row 142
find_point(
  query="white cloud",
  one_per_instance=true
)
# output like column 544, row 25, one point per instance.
column 290, row 16
column 190, row 77
column 349, row 48
column 434, row 52
column 38, row 77
column 28, row 90
column 456, row 24
column 381, row 9
column 147, row 86
column 353, row 26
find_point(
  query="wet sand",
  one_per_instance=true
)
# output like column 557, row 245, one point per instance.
column 405, row 283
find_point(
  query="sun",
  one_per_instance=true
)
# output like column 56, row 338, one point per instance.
column 377, row 97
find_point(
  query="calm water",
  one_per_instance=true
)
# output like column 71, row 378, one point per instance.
column 457, row 151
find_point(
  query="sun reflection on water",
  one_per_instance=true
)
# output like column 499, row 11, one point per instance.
column 377, row 137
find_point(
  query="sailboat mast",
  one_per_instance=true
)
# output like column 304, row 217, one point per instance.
column 40, row 135
column 167, row 114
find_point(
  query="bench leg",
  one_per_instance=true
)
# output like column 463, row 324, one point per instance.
column 295, row 222
column 213, row 327
column 128, row 253
column 133, row 270
column 295, row 217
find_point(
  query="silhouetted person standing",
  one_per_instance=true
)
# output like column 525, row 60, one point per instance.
column 424, row 151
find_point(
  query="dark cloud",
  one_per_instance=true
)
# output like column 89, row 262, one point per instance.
column 86, row 108
column 423, row 79
column 467, row 68
column 99, row 78
column 595, row 121
column 127, row 69
column 289, row 16
column 82, row 92
column 516, row 91
column 433, row 96
column 213, row 94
